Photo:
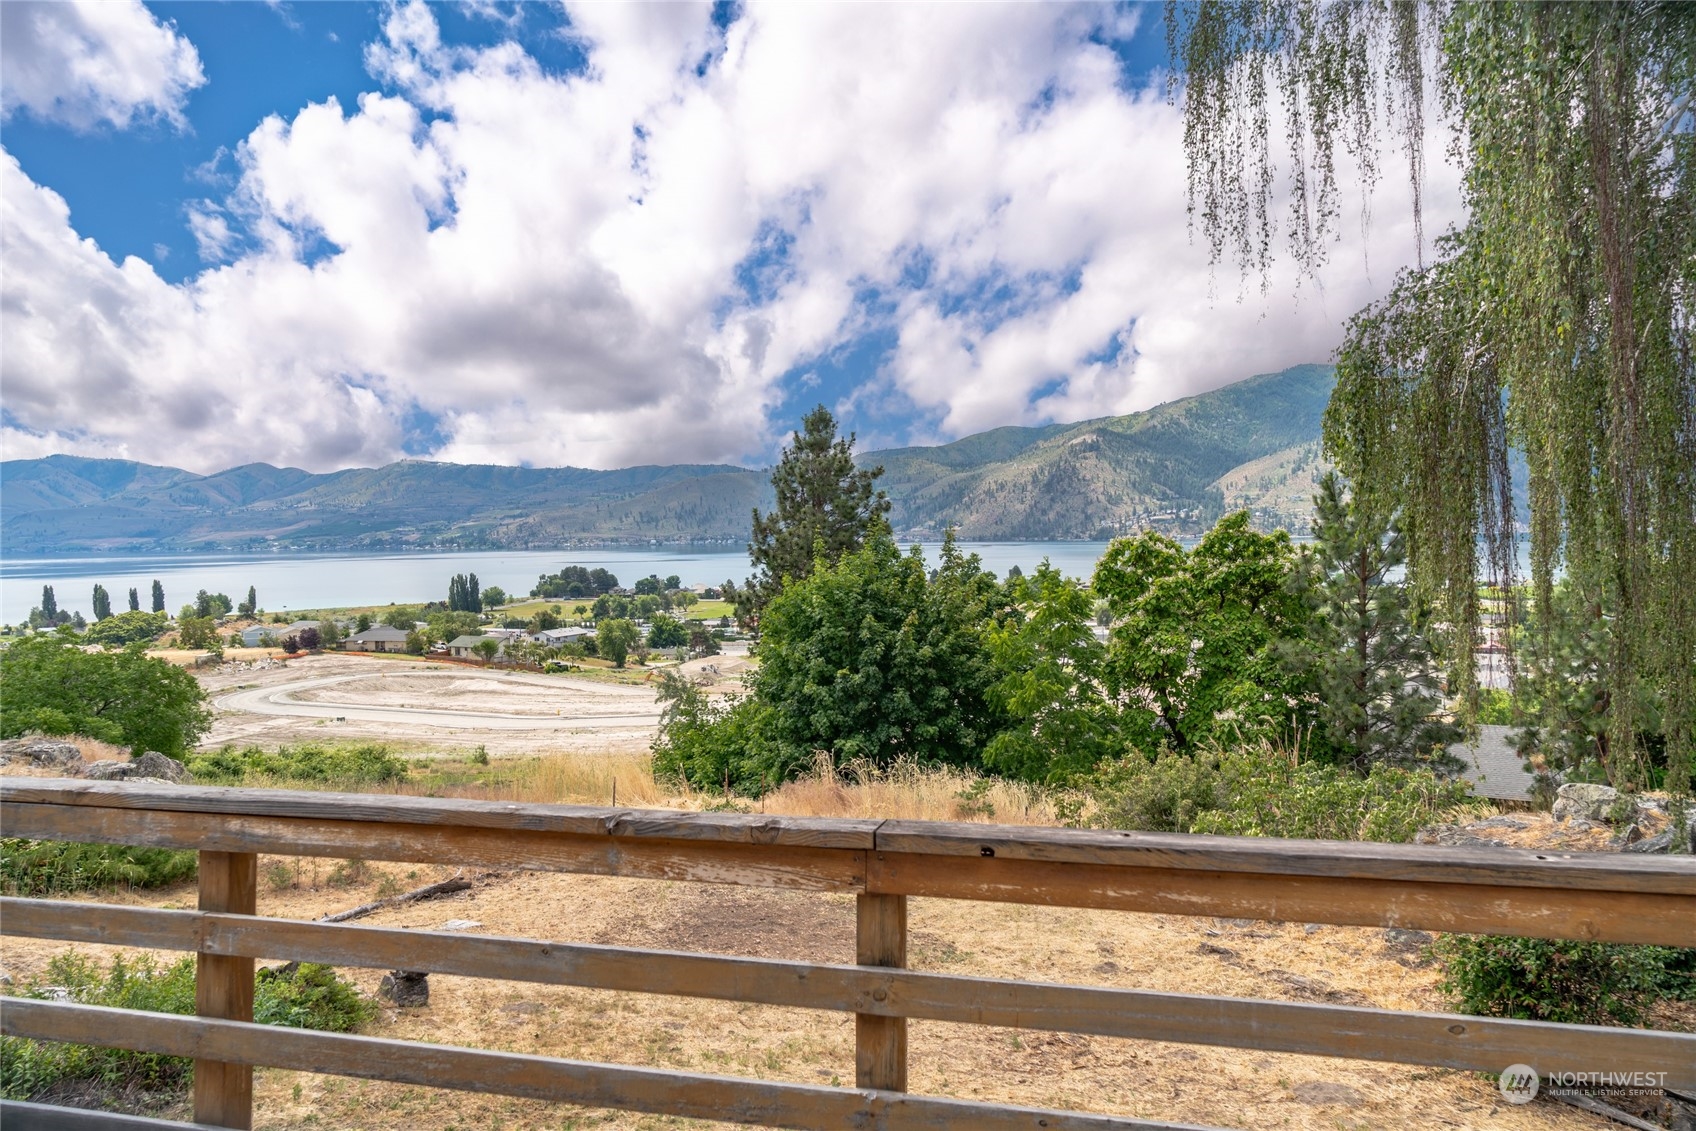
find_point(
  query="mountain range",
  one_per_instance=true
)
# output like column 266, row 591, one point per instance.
column 1175, row 467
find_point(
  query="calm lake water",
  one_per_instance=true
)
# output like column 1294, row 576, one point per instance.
column 308, row 581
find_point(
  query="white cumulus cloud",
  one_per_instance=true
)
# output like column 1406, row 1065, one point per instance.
column 84, row 62
column 484, row 261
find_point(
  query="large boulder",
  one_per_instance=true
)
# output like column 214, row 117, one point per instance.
column 49, row 752
column 150, row 767
column 1583, row 801
column 156, row 765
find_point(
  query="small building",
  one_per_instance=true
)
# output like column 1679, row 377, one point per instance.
column 377, row 638
column 462, row 647
column 251, row 637
column 554, row 637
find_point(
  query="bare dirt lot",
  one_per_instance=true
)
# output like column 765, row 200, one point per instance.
column 420, row 704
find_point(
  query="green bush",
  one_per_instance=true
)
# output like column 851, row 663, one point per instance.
column 705, row 743
column 1260, row 791
column 1585, row 983
column 360, row 763
column 53, row 867
column 304, row 996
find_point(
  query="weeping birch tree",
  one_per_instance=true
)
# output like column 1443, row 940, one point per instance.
column 1556, row 320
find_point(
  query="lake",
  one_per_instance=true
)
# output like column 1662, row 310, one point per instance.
column 308, row 581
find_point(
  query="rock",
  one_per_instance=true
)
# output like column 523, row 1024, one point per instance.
column 155, row 765
column 460, row 925
column 1662, row 843
column 406, row 988
column 1585, row 801
column 150, row 767
column 42, row 752
column 5, row 978
column 1402, row 939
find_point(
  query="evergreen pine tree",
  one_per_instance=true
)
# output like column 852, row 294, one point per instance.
column 102, row 602
column 1369, row 664
column 823, row 500
column 158, row 596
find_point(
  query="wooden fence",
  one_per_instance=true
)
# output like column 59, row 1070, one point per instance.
column 1627, row 899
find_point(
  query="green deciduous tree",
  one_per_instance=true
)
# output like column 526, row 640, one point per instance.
column 614, row 638
column 1192, row 653
column 868, row 658
column 197, row 632
column 464, row 595
column 487, row 649
column 825, row 507
column 135, row 600
column 158, row 596
column 47, row 683
column 1368, row 664
column 665, row 632
column 1556, row 319
column 127, row 628
column 102, row 603
column 494, row 597
column 1052, row 682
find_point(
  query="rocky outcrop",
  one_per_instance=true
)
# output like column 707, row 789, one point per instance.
column 52, row 753
column 406, row 988
column 1584, row 801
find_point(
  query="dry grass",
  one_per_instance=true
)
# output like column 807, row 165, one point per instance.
column 904, row 791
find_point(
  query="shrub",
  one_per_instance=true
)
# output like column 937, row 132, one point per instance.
column 301, row 996
column 706, row 743
column 1261, row 791
column 53, row 867
column 359, row 763
column 1585, row 983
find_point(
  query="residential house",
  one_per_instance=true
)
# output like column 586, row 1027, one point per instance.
column 460, row 647
column 377, row 638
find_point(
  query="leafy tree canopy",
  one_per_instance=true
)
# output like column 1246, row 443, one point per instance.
column 48, row 683
column 1052, row 681
column 1192, row 651
column 614, row 638
column 1556, row 319
column 127, row 628
column 868, row 658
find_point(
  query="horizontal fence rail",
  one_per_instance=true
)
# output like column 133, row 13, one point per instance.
column 1499, row 891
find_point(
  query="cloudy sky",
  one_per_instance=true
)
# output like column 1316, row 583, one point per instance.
column 338, row 234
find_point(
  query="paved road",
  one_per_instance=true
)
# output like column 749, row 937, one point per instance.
column 279, row 699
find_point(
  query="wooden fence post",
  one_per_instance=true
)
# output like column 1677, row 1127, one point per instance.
column 880, row 1043
column 223, row 987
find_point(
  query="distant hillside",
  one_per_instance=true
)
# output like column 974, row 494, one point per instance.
column 1162, row 468
column 1175, row 467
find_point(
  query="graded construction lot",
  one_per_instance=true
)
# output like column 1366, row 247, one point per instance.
column 424, row 703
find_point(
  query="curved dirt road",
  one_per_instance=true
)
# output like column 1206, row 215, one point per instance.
column 565, row 705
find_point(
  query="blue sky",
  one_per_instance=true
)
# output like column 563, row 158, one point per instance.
column 336, row 234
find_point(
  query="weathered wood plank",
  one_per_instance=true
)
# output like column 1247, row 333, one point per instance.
column 785, row 866
column 16, row 1115
column 1437, row 1039
column 1608, row 916
column 656, row 1091
column 1497, row 867
column 585, row 820
column 223, row 988
column 880, row 1041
